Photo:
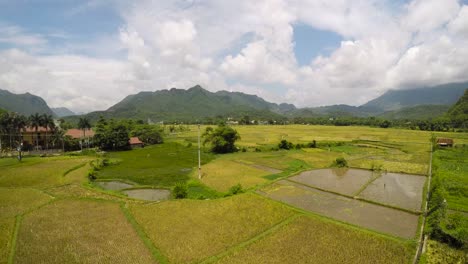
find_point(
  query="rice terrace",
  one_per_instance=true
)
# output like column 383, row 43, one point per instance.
column 261, row 204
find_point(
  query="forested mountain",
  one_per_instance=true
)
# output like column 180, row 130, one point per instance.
column 25, row 104
column 190, row 105
column 63, row 111
column 446, row 94
column 420, row 112
column 458, row 113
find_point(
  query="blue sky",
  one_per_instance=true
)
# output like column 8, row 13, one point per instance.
column 87, row 55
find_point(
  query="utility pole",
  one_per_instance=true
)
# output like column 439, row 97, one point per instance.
column 199, row 157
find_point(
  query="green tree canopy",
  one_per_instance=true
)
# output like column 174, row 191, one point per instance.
column 221, row 139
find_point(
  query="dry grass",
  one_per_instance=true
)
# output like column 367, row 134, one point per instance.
column 312, row 240
column 19, row 200
column 79, row 231
column 222, row 174
column 188, row 231
column 7, row 226
column 48, row 172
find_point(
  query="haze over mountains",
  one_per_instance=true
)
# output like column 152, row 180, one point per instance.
column 198, row 103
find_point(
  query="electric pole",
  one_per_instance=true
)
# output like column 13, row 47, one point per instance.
column 199, row 157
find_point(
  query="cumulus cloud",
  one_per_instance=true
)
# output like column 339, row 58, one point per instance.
column 248, row 46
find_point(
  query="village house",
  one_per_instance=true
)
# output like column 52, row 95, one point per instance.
column 445, row 142
column 135, row 142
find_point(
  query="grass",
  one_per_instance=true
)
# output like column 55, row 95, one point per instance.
column 79, row 231
column 310, row 240
column 437, row 252
column 7, row 226
column 222, row 174
column 17, row 201
column 41, row 173
column 158, row 165
column 188, row 231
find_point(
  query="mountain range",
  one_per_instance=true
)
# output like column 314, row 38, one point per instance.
column 197, row 103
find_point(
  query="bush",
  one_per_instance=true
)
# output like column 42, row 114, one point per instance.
column 341, row 162
column 180, row 190
column 236, row 189
column 284, row 144
column 312, row 144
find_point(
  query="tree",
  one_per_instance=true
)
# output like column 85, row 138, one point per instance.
column 112, row 135
column 84, row 124
column 284, row 144
column 35, row 121
column 48, row 122
column 222, row 139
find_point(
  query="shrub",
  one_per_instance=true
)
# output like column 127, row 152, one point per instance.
column 312, row 144
column 284, row 144
column 341, row 162
column 180, row 190
column 236, row 189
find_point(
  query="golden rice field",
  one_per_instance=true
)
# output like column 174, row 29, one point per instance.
column 79, row 231
column 223, row 174
column 313, row 240
column 189, row 231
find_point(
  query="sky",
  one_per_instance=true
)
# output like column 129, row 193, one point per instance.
column 88, row 55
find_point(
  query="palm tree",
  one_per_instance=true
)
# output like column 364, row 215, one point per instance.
column 35, row 121
column 84, row 124
column 48, row 122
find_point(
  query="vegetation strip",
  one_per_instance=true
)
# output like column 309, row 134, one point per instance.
column 363, row 187
column 141, row 233
column 252, row 240
column 421, row 235
column 14, row 239
column 74, row 168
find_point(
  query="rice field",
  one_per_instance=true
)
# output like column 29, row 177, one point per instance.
column 312, row 240
column 189, row 231
column 222, row 174
column 79, row 231
column 7, row 226
column 63, row 218
column 18, row 201
column 39, row 173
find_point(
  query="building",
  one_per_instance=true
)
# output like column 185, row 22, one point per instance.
column 78, row 133
column 445, row 142
column 135, row 142
column 35, row 139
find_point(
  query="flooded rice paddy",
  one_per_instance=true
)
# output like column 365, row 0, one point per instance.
column 114, row 185
column 340, row 180
column 379, row 218
column 399, row 190
column 142, row 194
column 360, row 197
column 149, row 194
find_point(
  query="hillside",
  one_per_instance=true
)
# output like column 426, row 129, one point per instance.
column 420, row 112
column 192, row 104
column 446, row 94
column 62, row 111
column 458, row 113
column 25, row 104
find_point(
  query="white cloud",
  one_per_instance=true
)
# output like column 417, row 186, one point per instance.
column 246, row 46
column 17, row 36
